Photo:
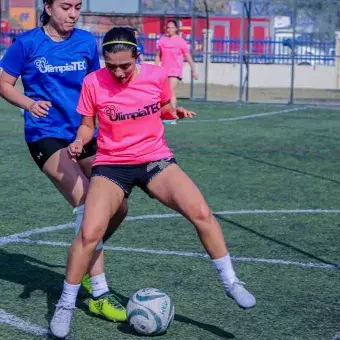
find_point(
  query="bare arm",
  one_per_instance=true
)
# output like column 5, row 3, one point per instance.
column 84, row 135
column 86, row 129
column 192, row 65
column 158, row 57
column 11, row 94
column 38, row 109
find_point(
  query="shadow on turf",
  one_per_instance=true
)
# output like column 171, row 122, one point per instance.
column 34, row 275
column 298, row 250
column 283, row 167
column 124, row 328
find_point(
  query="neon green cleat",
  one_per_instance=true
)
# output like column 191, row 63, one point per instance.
column 86, row 283
column 108, row 307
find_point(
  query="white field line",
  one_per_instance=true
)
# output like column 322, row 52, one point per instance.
column 21, row 324
column 256, row 115
column 189, row 254
column 14, row 237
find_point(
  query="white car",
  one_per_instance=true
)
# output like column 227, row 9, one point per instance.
column 306, row 55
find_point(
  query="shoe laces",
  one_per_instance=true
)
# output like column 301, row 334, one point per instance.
column 236, row 282
column 241, row 283
column 113, row 300
column 64, row 312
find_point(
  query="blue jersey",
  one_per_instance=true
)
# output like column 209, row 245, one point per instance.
column 52, row 71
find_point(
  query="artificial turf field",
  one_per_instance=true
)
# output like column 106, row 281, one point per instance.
column 272, row 175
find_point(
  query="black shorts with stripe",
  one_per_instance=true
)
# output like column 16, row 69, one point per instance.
column 129, row 176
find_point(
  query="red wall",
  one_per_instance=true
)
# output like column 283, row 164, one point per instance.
column 155, row 26
column 230, row 29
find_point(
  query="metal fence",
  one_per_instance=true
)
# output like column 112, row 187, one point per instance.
column 247, row 50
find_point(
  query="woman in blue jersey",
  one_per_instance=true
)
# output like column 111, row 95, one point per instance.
column 52, row 61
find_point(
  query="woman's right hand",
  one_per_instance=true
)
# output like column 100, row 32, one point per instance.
column 39, row 108
column 75, row 149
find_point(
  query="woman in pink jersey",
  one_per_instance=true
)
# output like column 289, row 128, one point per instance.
column 129, row 102
column 171, row 50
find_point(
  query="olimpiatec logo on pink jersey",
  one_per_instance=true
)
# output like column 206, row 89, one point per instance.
column 115, row 115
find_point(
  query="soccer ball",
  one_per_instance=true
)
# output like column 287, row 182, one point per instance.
column 150, row 311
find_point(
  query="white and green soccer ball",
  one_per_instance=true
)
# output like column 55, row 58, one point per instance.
column 150, row 311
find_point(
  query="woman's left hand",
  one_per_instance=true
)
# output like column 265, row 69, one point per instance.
column 75, row 149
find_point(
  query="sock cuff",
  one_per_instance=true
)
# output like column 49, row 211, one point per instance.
column 71, row 286
column 99, row 277
column 221, row 260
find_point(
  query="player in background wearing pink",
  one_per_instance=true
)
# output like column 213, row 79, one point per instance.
column 170, row 53
column 129, row 101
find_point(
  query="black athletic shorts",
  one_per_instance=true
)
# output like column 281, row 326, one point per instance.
column 179, row 78
column 43, row 149
column 128, row 176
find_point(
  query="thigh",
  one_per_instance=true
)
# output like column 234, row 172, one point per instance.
column 67, row 176
column 103, row 200
column 86, row 165
column 174, row 188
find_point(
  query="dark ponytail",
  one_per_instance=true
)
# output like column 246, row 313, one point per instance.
column 119, row 39
column 44, row 17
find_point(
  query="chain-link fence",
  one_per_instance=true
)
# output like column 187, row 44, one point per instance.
column 283, row 51
column 271, row 51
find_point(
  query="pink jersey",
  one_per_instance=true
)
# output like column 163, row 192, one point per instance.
column 129, row 117
column 172, row 54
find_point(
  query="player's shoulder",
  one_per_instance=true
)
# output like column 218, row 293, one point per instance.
column 31, row 35
column 81, row 34
column 162, row 38
column 95, row 77
column 181, row 39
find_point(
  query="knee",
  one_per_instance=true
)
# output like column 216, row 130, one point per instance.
column 202, row 213
column 89, row 237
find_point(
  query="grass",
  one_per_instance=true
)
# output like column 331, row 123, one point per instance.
column 284, row 161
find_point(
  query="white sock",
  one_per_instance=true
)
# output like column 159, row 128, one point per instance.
column 225, row 269
column 79, row 211
column 99, row 285
column 69, row 294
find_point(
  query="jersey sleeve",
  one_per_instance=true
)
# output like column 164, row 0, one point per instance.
column 86, row 105
column 185, row 47
column 94, row 64
column 13, row 62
